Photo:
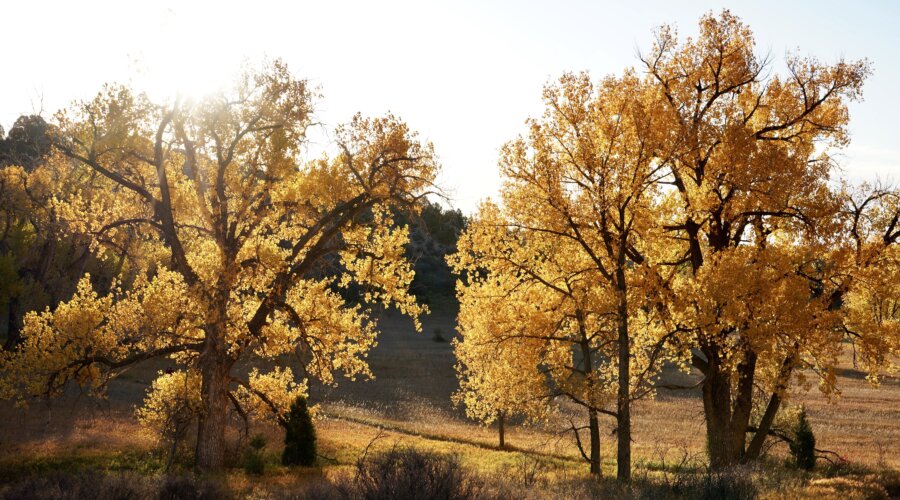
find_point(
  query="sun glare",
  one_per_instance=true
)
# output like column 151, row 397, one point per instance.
column 185, row 58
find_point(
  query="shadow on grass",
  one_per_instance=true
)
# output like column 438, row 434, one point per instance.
column 144, row 462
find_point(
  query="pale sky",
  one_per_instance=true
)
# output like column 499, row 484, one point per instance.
column 465, row 74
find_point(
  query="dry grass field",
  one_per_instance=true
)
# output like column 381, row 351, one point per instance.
column 408, row 404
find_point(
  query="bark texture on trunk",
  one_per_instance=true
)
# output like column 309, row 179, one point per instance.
column 502, row 429
column 593, row 420
column 717, row 417
column 727, row 409
column 211, row 426
column 623, row 409
column 215, row 367
column 594, row 426
column 742, row 407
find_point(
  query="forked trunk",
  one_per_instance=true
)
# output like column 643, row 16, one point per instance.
column 765, row 425
column 727, row 417
column 742, row 407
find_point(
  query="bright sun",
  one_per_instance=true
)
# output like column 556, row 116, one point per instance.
column 186, row 57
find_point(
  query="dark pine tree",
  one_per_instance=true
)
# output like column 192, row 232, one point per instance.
column 300, row 436
column 803, row 448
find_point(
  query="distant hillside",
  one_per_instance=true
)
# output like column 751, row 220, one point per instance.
column 433, row 236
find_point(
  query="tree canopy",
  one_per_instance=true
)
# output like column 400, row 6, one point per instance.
column 225, row 232
column 691, row 215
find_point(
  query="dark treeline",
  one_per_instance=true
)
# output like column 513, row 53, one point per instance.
column 39, row 263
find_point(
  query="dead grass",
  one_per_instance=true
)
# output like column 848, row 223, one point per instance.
column 409, row 404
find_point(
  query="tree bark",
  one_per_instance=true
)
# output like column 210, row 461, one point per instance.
column 774, row 404
column 501, row 429
column 215, row 366
column 717, row 410
column 210, row 452
column 593, row 420
column 743, row 407
column 765, row 425
column 594, row 426
column 623, row 413
column 14, row 324
column 727, row 419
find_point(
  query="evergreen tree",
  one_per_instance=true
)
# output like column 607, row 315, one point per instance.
column 803, row 448
column 300, row 436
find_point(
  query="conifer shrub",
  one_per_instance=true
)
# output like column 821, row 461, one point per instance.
column 254, row 462
column 300, row 436
column 803, row 448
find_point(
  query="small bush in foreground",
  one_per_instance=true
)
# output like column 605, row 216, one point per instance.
column 401, row 473
column 299, row 436
column 410, row 473
column 254, row 462
column 803, row 448
column 190, row 488
column 684, row 482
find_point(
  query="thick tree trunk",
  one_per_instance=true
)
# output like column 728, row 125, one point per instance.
column 717, row 410
column 215, row 366
column 623, row 410
column 210, row 452
column 594, row 427
column 501, row 429
column 48, row 253
column 727, row 418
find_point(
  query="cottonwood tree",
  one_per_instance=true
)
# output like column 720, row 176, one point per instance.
column 867, row 287
column 504, row 323
column 526, row 333
column 750, row 215
column 498, row 378
column 579, row 198
column 854, row 278
column 234, row 231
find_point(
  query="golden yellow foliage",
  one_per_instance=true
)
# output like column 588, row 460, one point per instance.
column 228, row 238
column 557, row 276
column 689, row 215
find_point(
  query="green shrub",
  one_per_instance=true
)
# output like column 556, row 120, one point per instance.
column 299, row 437
column 253, row 459
column 803, row 448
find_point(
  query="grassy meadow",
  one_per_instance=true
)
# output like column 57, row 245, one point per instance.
column 407, row 404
